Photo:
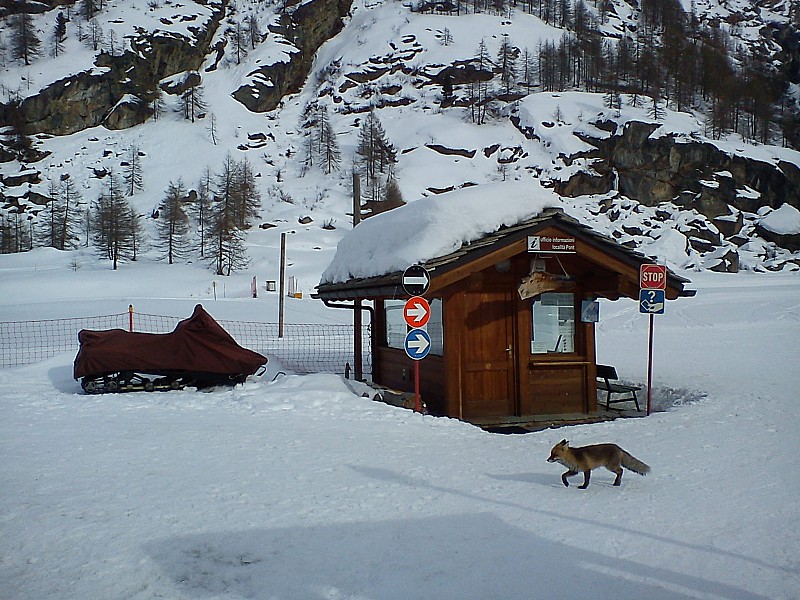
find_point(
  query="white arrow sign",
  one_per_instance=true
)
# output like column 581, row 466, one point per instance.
column 416, row 280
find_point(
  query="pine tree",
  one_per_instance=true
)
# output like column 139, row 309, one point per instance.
column 308, row 122
column 528, row 69
column 212, row 128
column 89, row 9
column 192, row 103
column 173, row 224
column 59, row 34
column 236, row 203
column 157, row 103
column 375, row 155
column 331, row 156
column 117, row 230
column 246, row 197
column 71, row 201
column 479, row 89
column 132, row 171
column 657, row 111
column 25, row 43
column 49, row 218
column 15, row 233
column 447, row 37
column 239, row 40
column 319, row 139
column 94, row 35
column 202, row 208
column 253, row 30
column 393, row 197
column 507, row 62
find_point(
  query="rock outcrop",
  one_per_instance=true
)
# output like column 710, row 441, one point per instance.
column 305, row 29
column 116, row 91
column 690, row 173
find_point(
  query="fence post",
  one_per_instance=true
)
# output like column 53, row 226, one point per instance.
column 130, row 318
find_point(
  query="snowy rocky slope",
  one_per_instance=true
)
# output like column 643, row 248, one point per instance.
column 660, row 184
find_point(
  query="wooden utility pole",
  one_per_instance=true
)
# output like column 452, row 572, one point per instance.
column 282, row 292
column 358, row 350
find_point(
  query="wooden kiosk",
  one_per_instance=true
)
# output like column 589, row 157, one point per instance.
column 512, row 320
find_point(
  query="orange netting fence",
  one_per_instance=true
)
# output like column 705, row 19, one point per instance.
column 304, row 348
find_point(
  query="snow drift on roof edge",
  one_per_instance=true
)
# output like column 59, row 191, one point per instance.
column 434, row 226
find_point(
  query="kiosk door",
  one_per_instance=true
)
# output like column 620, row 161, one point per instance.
column 487, row 339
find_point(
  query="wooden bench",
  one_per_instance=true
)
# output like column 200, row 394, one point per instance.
column 606, row 381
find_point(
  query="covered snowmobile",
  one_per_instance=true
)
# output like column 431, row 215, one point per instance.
column 199, row 353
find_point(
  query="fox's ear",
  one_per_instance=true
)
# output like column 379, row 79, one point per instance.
column 563, row 443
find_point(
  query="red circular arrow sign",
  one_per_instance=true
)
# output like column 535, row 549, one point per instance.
column 416, row 312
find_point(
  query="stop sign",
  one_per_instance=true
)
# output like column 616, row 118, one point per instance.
column 653, row 277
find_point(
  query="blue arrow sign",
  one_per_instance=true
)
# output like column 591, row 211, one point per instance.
column 651, row 302
column 417, row 344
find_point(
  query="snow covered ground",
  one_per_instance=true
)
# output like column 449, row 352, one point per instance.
column 299, row 488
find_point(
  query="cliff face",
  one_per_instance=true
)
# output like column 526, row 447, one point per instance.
column 116, row 92
column 727, row 190
column 689, row 173
column 307, row 27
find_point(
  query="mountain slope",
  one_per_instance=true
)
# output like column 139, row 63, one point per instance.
column 418, row 72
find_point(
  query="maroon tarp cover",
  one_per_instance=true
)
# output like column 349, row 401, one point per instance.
column 198, row 344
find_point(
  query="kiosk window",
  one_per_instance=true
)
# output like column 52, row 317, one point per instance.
column 396, row 327
column 553, row 321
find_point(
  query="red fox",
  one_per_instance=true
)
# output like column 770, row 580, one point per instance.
column 586, row 458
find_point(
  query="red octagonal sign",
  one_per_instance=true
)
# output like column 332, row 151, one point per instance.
column 416, row 312
column 653, row 277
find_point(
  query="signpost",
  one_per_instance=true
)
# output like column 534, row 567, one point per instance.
column 416, row 312
column 652, row 295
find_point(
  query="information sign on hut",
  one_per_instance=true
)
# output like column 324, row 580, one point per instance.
column 550, row 244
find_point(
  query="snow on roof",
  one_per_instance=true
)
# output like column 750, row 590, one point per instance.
column 433, row 227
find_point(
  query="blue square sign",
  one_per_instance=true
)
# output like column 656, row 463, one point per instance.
column 651, row 302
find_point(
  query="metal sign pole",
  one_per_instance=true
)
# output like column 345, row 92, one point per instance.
column 358, row 350
column 417, row 398
column 650, row 366
column 282, row 293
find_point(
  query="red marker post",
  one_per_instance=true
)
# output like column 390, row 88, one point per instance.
column 417, row 313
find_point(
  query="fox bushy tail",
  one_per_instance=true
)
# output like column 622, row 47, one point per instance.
column 632, row 463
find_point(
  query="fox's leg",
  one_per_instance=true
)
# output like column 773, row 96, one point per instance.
column 618, row 471
column 586, row 474
column 569, row 473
